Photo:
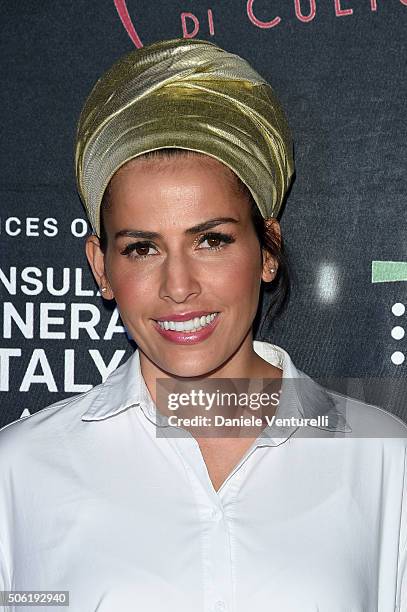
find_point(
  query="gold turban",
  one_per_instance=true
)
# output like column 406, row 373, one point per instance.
column 190, row 94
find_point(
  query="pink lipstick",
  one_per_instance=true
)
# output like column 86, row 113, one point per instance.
column 187, row 337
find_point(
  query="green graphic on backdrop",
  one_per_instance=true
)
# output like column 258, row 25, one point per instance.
column 389, row 271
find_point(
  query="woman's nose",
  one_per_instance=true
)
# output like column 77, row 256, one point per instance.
column 179, row 277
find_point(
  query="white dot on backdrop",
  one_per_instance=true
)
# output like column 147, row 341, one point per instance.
column 397, row 357
column 398, row 309
column 397, row 332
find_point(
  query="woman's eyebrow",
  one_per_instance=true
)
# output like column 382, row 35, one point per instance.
column 201, row 227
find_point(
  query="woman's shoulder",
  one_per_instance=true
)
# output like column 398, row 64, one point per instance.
column 64, row 415
column 59, row 421
column 357, row 418
column 368, row 420
column 44, row 427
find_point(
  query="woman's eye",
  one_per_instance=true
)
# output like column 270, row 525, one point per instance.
column 137, row 250
column 214, row 240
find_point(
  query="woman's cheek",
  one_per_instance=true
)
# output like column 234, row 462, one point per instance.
column 125, row 282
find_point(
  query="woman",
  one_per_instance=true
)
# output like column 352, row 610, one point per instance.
column 183, row 160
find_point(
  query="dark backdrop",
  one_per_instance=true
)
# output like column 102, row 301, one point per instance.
column 339, row 68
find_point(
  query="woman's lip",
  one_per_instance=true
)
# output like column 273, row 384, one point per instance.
column 186, row 316
column 192, row 337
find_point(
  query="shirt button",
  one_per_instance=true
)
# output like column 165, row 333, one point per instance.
column 216, row 515
column 220, row 606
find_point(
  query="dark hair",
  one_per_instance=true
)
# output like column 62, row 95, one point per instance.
column 279, row 289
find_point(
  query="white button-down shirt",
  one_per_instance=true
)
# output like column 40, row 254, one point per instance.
column 94, row 502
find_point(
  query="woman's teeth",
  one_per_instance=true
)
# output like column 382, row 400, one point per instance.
column 191, row 325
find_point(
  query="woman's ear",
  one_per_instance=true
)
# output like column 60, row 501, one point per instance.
column 96, row 261
column 270, row 263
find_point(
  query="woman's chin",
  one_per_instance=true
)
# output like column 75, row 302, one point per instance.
column 190, row 370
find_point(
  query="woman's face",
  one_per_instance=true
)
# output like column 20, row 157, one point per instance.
column 181, row 242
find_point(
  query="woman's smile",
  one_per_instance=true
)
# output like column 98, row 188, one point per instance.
column 189, row 331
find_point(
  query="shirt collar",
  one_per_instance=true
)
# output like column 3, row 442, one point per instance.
column 125, row 387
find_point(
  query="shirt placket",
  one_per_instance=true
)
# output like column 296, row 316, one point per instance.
column 216, row 521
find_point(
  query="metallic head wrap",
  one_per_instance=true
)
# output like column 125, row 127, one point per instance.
column 190, row 94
